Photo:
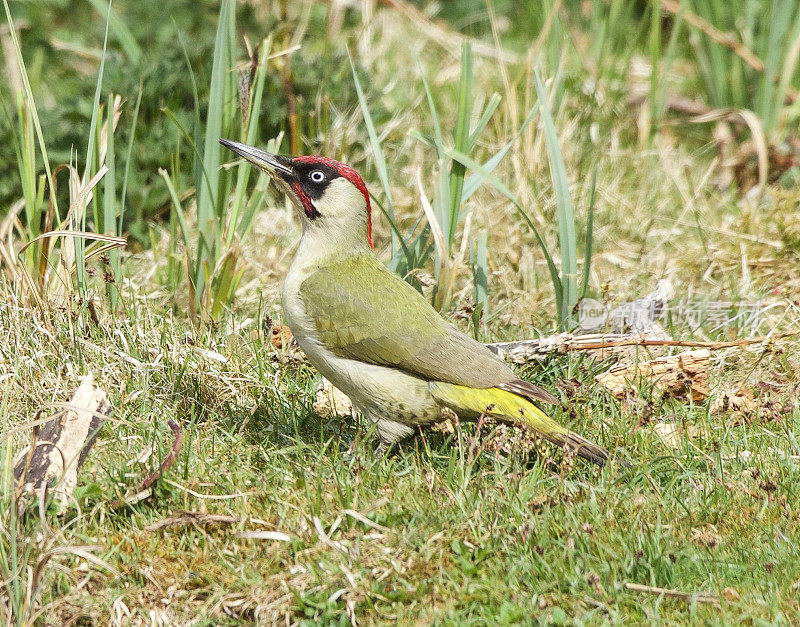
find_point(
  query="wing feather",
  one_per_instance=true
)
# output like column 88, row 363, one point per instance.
column 530, row 391
column 348, row 301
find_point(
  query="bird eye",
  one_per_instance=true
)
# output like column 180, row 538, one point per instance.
column 317, row 176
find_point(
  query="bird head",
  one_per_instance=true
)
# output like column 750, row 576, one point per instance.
column 329, row 196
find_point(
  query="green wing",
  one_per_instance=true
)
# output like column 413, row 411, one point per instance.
column 363, row 311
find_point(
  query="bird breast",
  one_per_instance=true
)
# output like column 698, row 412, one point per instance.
column 377, row 391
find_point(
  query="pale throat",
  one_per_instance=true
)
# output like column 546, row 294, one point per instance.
column 341, row 228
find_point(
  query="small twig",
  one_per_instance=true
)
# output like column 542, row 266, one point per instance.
column 277, row 536
column 364, row 520
column 678, row 103
column 193, row 518
column 325, row 538
column 165, row 464
column 210, row 497
column 700, row 597
column 690, row 343
column 725, row 39
column 169, row 459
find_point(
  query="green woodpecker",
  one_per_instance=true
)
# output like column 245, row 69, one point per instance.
column 372, row 334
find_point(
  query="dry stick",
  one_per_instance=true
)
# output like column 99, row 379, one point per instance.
column 59, row 448
column 193, row 518
column 675, row 594
column 725, row 39
column 689, row 343
column 168, row 461
column 291, row 106
column 545, row 345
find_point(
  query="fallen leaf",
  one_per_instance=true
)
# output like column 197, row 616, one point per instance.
column 669, row 433
column 331, row 401
column 731, row 594
column 706, row 538
column 738, row 400
column 280, row 336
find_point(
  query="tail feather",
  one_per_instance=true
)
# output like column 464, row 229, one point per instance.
column 508, row 406
column 530, row 391
column 583, row 447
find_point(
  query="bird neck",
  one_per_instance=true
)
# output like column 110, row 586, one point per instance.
column 324, row 244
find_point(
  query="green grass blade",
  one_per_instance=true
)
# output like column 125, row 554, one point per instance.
column 110, row 197
column 97, row 196
column 487, row 114
column 480, row 273
column 566, row 214
column 128, row 155
column 238, row 211
column 655, row 61
column 79, row 222
column 109, row 182
column 461, row 140
column 380, row 166
column 395, row 231
column 32, row 104
column 257, row 197
column 197, row 129
column 121, row 31
column 437, row 127
column 207, row 198
column 442, row 207
column 780, row 20
column 789, row 67
column 501, row 187
column 666, row 63
column 185, row 134
column 475, row 180
column 423, row 137
column 25, row 153
column 377, row 154
column 176, row 205
column 587, row 256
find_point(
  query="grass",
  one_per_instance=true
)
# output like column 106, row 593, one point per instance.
column 449, row 529
column 772, row 34
column 457, row 532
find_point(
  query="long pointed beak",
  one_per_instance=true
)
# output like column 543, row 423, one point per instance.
column 273, row 164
